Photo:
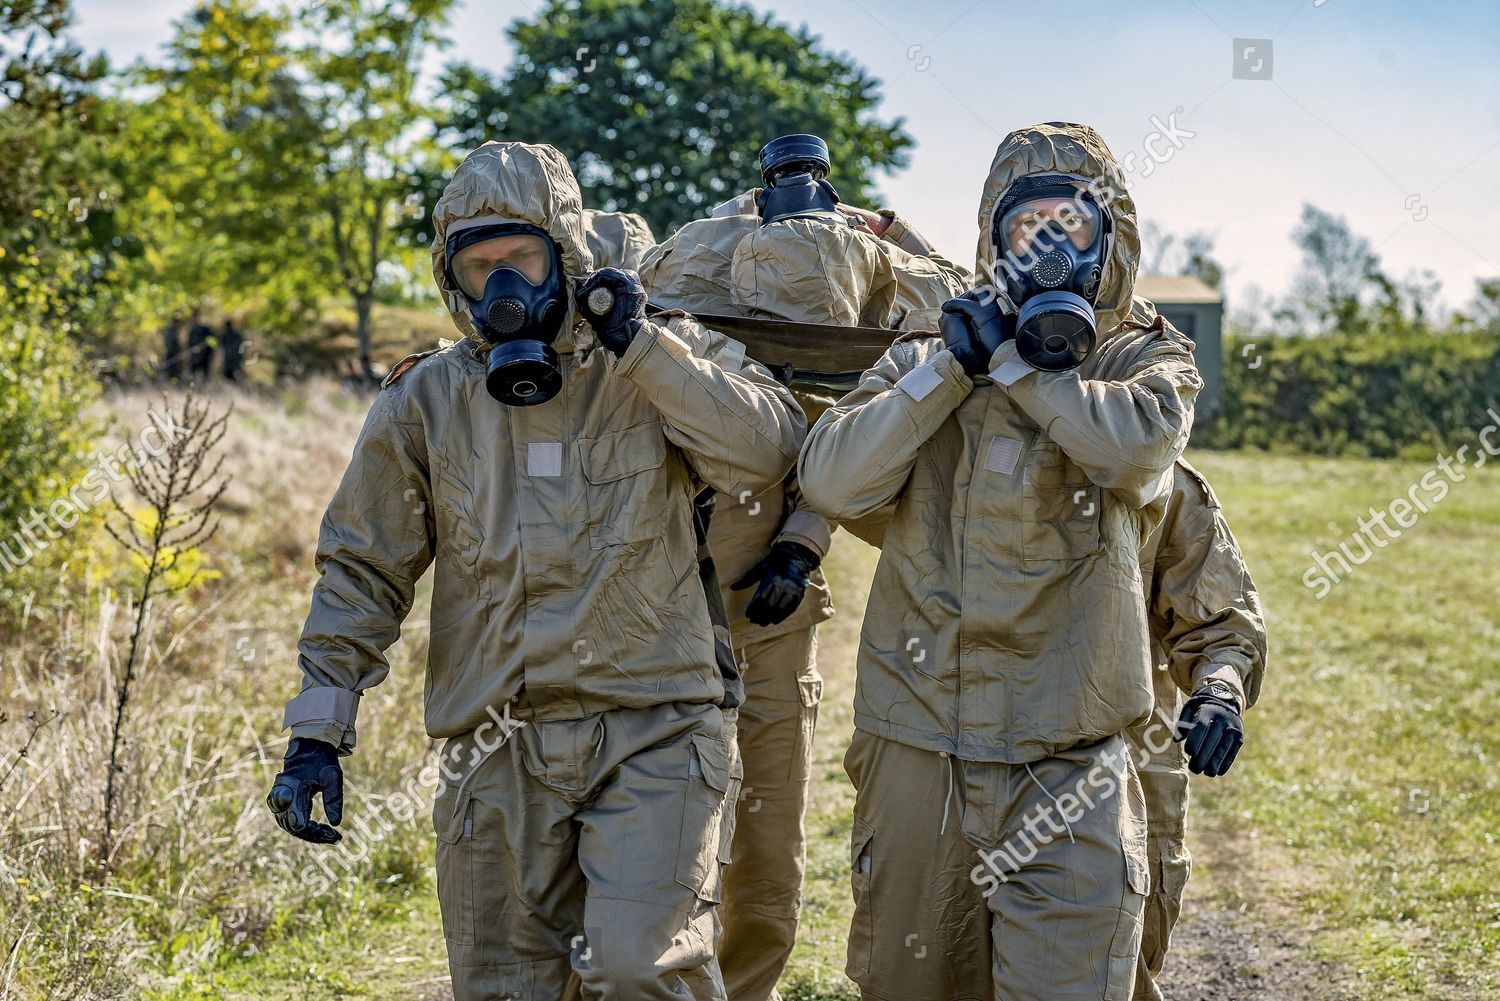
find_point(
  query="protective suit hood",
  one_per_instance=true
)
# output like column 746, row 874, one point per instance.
column 618, row 239
column 814, row 270
column 805, row 270
column 522, row 183
column 1078, row 151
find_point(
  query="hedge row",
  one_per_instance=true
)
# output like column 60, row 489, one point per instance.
column 1392, row 394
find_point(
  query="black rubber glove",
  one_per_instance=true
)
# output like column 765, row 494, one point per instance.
column 613, row 301
column 972, row 330
column 1214, row 731
column 783, row 577
column 311, row 766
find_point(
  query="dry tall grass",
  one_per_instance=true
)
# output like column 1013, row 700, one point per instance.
column 201, row 873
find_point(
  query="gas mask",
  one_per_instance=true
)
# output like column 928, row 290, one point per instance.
column 511, row 276
column 1053, row 239
column 795, row 170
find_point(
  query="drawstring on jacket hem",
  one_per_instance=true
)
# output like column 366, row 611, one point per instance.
column 948, row 798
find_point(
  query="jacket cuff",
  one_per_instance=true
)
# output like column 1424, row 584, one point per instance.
column 900, row 232
column 807, row 528
column 324, row 713
column 645, row 339
column 328, row 733
column 1224, row 673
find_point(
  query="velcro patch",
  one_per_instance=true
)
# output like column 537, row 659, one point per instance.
column 919, row 382
column 1002, row 455
column 544, row 458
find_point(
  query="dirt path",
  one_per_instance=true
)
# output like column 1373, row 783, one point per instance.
column 1217, row 956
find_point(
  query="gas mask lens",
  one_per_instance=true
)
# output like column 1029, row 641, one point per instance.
column 526, row 253
column 1037, row 226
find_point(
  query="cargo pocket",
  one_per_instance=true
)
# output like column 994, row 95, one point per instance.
column 1171, row 867
column 1125, row 946
column 809, row 694
column 453, row 821
column 862, row 927
column 705, row 804
column 731, row 806
column 627, row 500
column 1061, row 508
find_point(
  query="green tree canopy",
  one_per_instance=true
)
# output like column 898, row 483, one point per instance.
column 282, row 153
column 663, row 105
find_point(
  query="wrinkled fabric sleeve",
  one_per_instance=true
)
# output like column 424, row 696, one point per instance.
column 1125, row 435
column 376, row 541
column 802, row 524
column 740, row 428
column 904, row 235
column 1204, row 610
column 861, row 452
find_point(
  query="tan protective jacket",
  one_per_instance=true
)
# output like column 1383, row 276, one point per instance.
column 808, row 270
column 1204, row 613
column 566, row 577
column 1006, row 620
column 617, row 239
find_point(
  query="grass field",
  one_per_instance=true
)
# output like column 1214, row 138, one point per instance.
column 1361, row 817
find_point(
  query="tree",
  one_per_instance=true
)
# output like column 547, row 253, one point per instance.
column 220, row 166
column 1198, row 251
column 282, row 170
column 1340, row 274
column 1165, row 253
column 663, row 105
column 1484, row 312
column 56, row 227
column 55, row 189
column 361, row 92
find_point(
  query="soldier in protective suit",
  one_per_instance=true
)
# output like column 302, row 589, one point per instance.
column 583, row 817
column 1208, row 642
column 768, row 547
column 1004, row 649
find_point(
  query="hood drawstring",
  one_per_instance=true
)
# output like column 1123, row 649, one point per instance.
column 948, row 798
column 1054, row 799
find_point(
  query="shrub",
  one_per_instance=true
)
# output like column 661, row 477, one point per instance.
column 45, row 389
column 1379, row 395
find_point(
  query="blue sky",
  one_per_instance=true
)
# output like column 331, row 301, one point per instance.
column 1385, row 112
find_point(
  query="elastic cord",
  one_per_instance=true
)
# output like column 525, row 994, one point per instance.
column 948, row 798
column 1053, row 799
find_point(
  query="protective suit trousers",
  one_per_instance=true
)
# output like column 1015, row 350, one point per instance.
column 1164, row 778
column 582, row 858
column 763, row 888
column 980, row 881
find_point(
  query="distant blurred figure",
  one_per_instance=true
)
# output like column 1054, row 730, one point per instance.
column 232, row 344
column 200, row 348
column 171, row 349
